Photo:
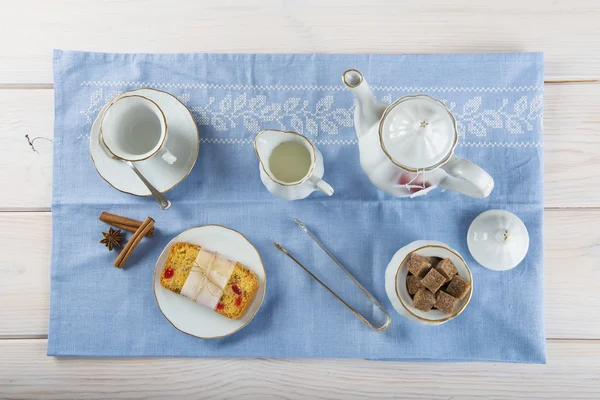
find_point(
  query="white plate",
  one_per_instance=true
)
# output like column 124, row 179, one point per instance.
column 192, row 318
column 183, row 141
column 395, row 282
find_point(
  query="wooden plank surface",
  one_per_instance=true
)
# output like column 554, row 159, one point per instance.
column 26, row 176
column 566, row 30
column 24, row 274
column 573, row 372
column 572, row 255
column 571, row 145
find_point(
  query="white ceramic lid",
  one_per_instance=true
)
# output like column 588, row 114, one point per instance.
column 418, row 132
column 498, row 240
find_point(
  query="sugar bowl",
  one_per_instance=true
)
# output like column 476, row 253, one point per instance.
column 398, row 292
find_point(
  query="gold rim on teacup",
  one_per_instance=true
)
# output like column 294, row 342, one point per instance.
column 264, row 291
column 456, row 313
column 164, row 120
column 191, row 166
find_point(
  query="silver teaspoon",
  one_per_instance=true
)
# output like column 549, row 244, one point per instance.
column 160, row 198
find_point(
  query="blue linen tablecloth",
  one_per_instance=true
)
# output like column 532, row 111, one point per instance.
column 98, row 310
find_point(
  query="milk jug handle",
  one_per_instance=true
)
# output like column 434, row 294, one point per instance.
column 467, row 178
column 321, row 185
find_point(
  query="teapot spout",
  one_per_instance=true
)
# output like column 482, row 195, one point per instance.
column 368, row 110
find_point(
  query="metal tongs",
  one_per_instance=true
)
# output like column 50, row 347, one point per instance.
column 388, row 319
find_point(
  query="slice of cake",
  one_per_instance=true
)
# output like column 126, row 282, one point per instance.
column 208, row 278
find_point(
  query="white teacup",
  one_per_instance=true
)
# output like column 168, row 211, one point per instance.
column 134, row 128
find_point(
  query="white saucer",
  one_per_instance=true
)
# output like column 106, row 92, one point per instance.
column 192, row 318
column 395, row 282
column 183, row 141
column 498, row 240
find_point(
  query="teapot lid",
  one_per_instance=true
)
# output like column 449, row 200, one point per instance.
column 418, row 133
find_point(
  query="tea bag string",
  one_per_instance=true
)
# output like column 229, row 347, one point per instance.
column 205, row 278
column 422, row 186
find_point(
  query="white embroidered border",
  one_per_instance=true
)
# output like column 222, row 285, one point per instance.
column 252, row 112
column 329, row 88
column 508, row 145
column 354, row 142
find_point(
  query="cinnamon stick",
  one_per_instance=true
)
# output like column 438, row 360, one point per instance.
column 137, row 237
column 124, row 223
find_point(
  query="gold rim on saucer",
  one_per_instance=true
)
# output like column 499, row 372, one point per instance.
column 263, row 291
column 457, row 313
column 191, row 166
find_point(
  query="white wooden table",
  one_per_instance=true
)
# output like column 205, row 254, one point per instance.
column 568, row 31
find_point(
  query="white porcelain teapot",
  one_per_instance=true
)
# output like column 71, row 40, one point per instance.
column 407, row 147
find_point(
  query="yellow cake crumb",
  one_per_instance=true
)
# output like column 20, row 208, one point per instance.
column 238, row 293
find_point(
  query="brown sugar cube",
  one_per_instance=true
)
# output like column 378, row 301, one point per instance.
column 446, row 267
column 444, row 302
column 413, row 284
column 434, row 261
column 424, row 300
column 458, row 287
column 418, row 265
column 433, row 280
column 444, row 286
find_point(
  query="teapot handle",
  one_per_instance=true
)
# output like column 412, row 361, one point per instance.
column 467, row 178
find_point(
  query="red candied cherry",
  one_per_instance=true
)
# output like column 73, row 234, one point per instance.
column 169, row 272
column 220, row 306
column 236, row 289
column 238, row 301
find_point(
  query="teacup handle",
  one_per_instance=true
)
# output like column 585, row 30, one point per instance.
column 467, row 178
column 321, row 185
column 167, row 156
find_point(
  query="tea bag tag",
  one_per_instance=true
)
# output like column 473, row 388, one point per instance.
column 418, row 187
column 423, row 192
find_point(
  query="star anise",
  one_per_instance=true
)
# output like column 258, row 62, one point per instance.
column 112, row 238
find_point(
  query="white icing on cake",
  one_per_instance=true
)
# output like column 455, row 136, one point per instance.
column 196, row 284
